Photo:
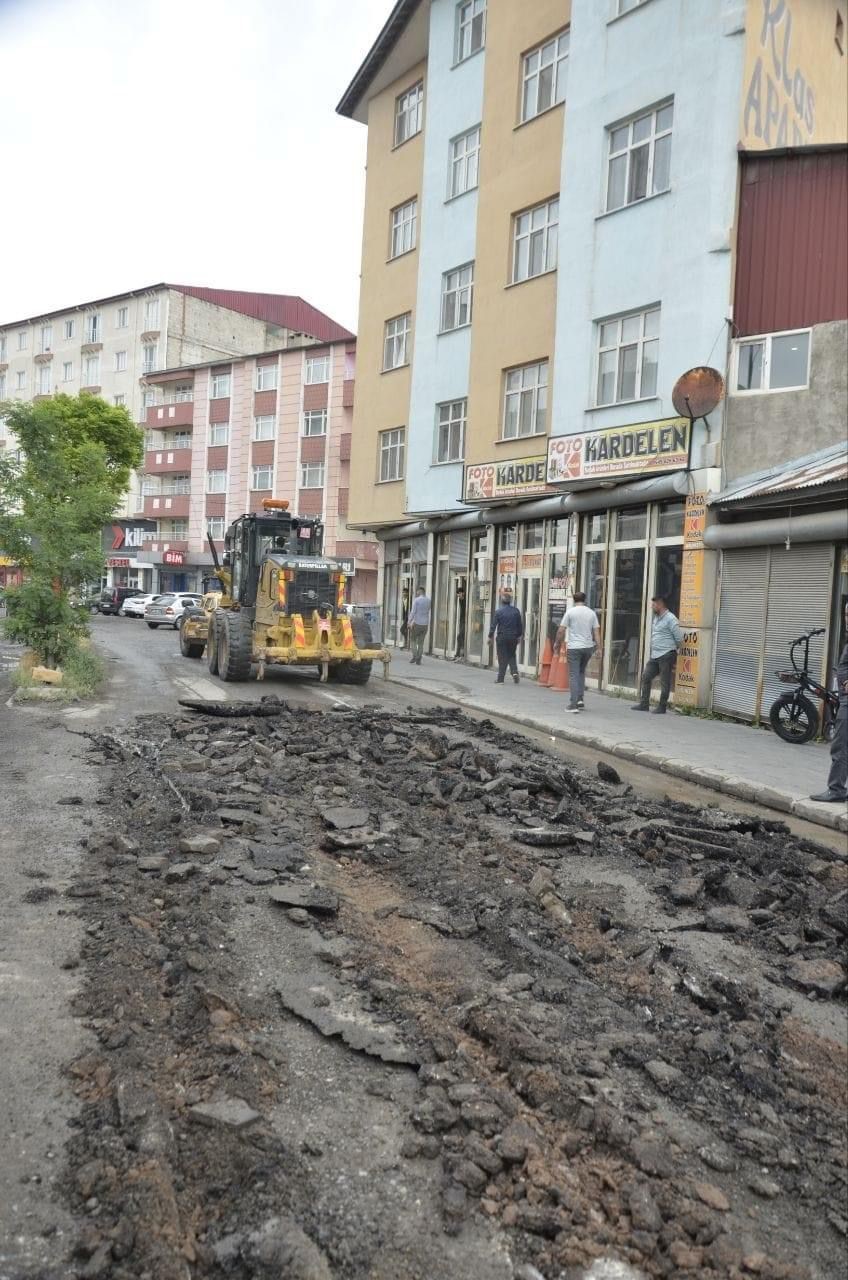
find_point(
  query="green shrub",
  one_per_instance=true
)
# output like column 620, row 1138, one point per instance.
column 83, row 672
column 43, row 620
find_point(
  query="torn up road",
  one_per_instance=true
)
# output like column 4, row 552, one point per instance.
column 383, row 995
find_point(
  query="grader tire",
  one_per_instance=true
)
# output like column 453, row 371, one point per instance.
column 190, row 648
column 212, row 643
column 235, row 647
column 355, row 672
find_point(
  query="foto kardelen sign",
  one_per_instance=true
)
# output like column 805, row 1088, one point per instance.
column 645, row 448
column 512, row 478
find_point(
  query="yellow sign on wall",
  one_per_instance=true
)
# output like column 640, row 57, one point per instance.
column 688, row 667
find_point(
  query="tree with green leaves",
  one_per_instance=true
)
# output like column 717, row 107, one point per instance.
column 67, row 481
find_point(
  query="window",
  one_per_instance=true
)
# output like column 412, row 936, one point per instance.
column 775, row 362
column 173, row 528
column 46, row 337
column 182, row 392
column 45, row 380
column 392, row 451
column 148, row 397
column 176, row 484
column 151, row 314
column 216, row 527
column 2, row 387
column 2, row 346
column 20, row 381
column 535, row 236
column 457, row 297
column 312, row 475
column 219, row 433
column 261, row 477
column 92, row 371
column 639, row 157
column 220, row 386
column 315, row 422
column 450, row 431
column 266, row 377
column 404, row 228
column 627, row 357
column 396, row 341
column 176, row 440
column 69, row 328
column 68, row 371
column 122, row 317
column 92, row 328
column 464, row 164
column 624, row 6
column 264, row 427
column 120, row 361
column 317, row 369
column 23, row 339
column 149, row 356
column 119, row 399
column 409, row 110
column 525, row 401
column 544, row 75
column 216, row 482
column 470, row 28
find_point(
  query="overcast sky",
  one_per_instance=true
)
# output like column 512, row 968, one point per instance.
column 193, row 141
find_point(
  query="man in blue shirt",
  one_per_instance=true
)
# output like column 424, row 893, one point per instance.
column 666, row 635
column 509, row 628
column 418, row 623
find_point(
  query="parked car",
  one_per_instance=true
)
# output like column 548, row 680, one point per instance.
column 167, row 610
column 112, row 599
column 134, row 607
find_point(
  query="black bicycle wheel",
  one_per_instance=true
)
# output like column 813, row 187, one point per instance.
column 794, row 718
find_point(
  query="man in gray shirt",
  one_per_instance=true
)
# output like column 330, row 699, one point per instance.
column 666, row 635
column 581, row 627
column 418, row 622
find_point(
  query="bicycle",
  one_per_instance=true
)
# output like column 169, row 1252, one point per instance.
column 793, row 716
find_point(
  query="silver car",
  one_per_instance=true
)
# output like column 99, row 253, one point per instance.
column 166, row 611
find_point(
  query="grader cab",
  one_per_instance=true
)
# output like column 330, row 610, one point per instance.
column 283, row 603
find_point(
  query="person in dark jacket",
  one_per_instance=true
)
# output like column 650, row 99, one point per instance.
column 508, row 629
column 837, row 782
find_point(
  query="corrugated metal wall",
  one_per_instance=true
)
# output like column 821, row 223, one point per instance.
column 792, row 247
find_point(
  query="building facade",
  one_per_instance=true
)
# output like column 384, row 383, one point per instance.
column 221, row 437
column 550, row 243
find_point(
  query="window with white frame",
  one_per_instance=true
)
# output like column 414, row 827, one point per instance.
column 535, row 241
column 20, row 380
column 93, row 330
column 120, row 361
column 23, row 339
column 639, row 162
column 2, row 388
column 773, row 362
column 450, row 431
column 219, row 433
column 457, row 297
column 544, row 75
column 261, row 476
column 404, row 235
column 317, row 369
column 150, row 356
column 220, row 386
column 92, row 371
column 45, row 379
column 312, row 475
column 216, row 527
column 216, row 482
column 182, row 392
column 46, row 337
column 315, row 422
column 173, row 528
column 470, row 28
column 69, row 328
column 266, row 377
column 119, row 399
column 464, row 163
column 176, row 439
column 396, row 341
column 122, row 317
column 264, row 426
column 173, row 485
column 525, row 409
column 392, row 454
column 628, row 349
column 68, row 371
column 624, row 6
column 409, row 112
column 151, row 314
column 148, row 397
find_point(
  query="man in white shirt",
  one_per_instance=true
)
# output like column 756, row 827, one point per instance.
column 582, row 632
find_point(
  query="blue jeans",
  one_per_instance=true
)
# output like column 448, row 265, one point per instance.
column 578, row 661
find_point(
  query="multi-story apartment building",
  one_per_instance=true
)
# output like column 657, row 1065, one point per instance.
column 222, row 436
column 549, row 241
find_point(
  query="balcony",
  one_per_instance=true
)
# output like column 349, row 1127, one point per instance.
column 170, row 415
column 161, row 462
column 173, row 506
column 42, row 357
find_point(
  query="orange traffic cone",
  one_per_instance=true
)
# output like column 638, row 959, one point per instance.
column 545, row 674
column 559, row 677
column 556, row 662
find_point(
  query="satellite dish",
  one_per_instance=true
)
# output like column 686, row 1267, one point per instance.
column 697, row 392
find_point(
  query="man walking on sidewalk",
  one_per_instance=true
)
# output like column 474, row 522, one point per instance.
column 837, row 781
column 418, row 623
column 509, row 627
column 582, row 632
column 666, row 635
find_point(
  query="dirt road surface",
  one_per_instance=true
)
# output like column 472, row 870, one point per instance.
column 364, row 988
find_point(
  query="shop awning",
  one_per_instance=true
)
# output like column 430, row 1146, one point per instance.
column 811, row 478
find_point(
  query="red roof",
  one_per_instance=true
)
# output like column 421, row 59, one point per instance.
column 283, row 309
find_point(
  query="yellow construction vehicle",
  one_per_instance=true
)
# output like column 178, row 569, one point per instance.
column 194, row 624
column 282, row 602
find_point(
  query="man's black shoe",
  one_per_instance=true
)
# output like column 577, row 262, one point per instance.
column 637, row 706
column 658, row 711
column 830, row 797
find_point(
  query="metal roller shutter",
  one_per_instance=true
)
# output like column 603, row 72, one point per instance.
column 799, row 598
column 419, row 549
column 741, row 626
column 459, row 544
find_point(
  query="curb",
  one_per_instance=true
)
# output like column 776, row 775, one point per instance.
column 712, row 779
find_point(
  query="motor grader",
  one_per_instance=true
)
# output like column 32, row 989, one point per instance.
column 281, row 602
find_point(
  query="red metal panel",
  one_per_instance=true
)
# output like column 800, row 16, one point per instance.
column 180, row 461
column 262, row 451
column 310, row 502
column 264, row 402
column 217, row 456
column 348, row 387
column 167, row 506
column 792, row 247
column 219, row 410
column 216, row 504
column 166, row 416
column 344, row 446
column 312, row 449
column 315, row 395
column 344, row 497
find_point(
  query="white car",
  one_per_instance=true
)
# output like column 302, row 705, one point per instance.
column 134, row 606
column 166, row 611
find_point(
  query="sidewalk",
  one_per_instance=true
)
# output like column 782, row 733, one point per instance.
column 736, row 759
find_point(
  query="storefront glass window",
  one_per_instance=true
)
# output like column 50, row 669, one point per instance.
column 594, row 583
column 596, row 529
column 669, row 566
column 508, row 538
column 670, row 520
column 558, row 585
column 478, row 596
column 533, row 535
column 631, row 525
column 627, row 616
column 558, row 533
column 440, row 620
column 530, row 604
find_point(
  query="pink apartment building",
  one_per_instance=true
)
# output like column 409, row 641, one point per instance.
column 222, row 436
